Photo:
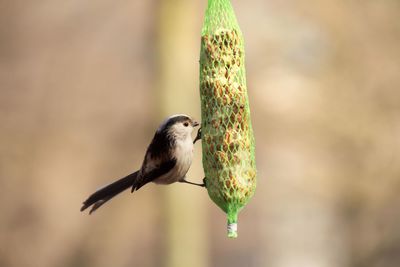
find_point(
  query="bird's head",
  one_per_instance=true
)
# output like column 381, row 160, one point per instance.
column 179, row 126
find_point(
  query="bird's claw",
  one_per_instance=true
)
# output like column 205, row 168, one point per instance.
column 198, row 136
column 204, row 182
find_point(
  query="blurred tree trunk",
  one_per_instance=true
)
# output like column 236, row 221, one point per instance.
column 177, row 60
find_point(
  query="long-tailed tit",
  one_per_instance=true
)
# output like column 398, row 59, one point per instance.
column 167, row 161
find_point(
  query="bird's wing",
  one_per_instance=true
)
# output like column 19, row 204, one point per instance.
column 153, row 170
column 157, row 161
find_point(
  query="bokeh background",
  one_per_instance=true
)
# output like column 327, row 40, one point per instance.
column 84, row 85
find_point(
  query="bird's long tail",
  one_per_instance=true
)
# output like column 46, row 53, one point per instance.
column 104, row 194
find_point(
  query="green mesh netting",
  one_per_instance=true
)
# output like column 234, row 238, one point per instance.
column 227, row 134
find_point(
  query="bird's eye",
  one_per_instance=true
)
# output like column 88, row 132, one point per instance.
column 186, row 124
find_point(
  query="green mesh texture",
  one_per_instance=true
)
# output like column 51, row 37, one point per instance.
column 227, row 135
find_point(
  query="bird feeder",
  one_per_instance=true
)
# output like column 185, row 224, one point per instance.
column 227, row 134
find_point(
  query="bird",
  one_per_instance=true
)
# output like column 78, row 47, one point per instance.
column 167, row 160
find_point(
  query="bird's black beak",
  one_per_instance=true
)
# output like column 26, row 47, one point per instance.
column 195, row 123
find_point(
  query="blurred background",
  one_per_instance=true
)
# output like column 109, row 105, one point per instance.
column 84, row 85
